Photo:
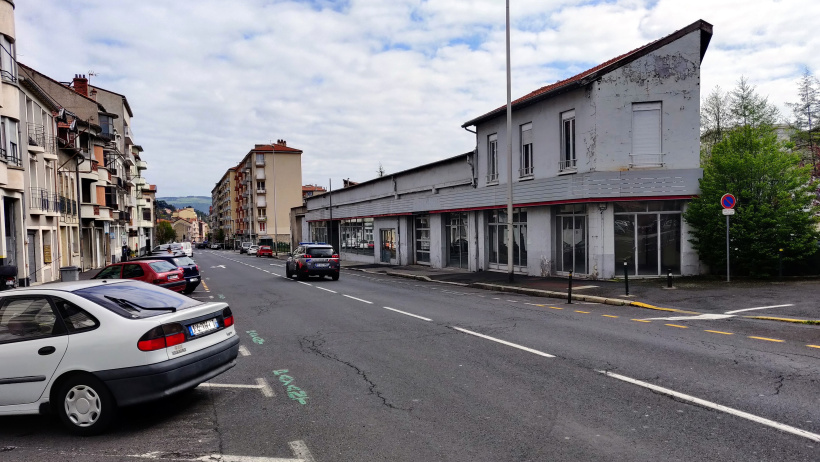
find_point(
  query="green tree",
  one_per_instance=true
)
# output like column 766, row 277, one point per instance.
column 165, row 232
column 774, row 203
column 219, row 235
column 806, row 113
column 714, row 120
column 749, row 109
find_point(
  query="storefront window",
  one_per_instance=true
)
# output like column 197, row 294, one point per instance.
column 648, row 237
column 318, row 232
column 497, row 238
column 357, row 236
column 571, row 239
column 457, row 239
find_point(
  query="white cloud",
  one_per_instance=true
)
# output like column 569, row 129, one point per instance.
column 361, row 82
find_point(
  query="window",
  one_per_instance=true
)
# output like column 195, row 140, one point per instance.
column 10, row 137
column 134, row 271
column 492, row 158
column 571, row 239
column 260, row 159
column 526, row 151
column 648, row 236
column 75, row 318
column 646, row 135
column 146, row 214
column 158, row 266
column 262, row 212
column 107, row 125
column 567, row 141
column 260, row 185
column 125, row 299
column 8, row 65
column 262, row 227
column 497, row 237
column 357, row 236
column 318, row 232
column 112, row 272
column 25, row 319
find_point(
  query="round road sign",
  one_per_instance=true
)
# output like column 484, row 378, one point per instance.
column 728, row 201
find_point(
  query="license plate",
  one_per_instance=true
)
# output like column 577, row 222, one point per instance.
column 173, row 277
column 322, row 265
column 194, row 279
column 9, row 282
column 202, row 327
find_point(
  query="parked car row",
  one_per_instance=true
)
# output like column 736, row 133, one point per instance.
column 172, row 248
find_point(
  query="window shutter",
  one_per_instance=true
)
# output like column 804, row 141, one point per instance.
column 526, row 134
column 646, row 128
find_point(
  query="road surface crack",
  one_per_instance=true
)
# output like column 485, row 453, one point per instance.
column 314, row 345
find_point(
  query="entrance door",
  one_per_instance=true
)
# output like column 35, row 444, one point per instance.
column 387, row 249
column 11, row 232
column 457, row 240
column 32, row 256
column 572, row 244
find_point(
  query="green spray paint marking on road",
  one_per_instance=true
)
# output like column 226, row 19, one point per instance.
column 255, row 337
column 295, row 393
column 221, row 297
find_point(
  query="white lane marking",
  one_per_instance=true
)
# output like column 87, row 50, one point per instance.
column 327, row 290
column 718, row 407
column 504, row 342
column 244, row 351
column 266, row 271
column 758, row 308
column 210, row 296
column 700, row 317
column 261, row 384
column 301, row 451
column 511, row 301
column 359, row 299
column 583, row 287
column 408, row 314
column 305, row 283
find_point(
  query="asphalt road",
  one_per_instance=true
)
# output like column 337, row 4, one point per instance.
column 376, row 368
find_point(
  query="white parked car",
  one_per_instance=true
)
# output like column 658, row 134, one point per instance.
column 187, row 248
column 83, row 349
column 253, row 249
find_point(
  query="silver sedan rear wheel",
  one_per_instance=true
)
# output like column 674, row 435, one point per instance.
column 85, row 406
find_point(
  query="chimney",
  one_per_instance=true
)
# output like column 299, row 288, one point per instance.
column 81, row 84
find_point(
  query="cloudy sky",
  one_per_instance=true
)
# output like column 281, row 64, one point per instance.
column 356, row 83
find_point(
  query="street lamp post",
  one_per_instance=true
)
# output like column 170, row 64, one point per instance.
column 509, row 158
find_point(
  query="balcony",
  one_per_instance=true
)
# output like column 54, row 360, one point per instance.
column 11, row 155
column 142, row 202
column 142, row 165
column 40, row 201
column 525, row 172
column 567, row 165
column 41, row 141
column 261, row 219
column 129, row 134
column 492, row 178
column 260, row 191
column 139, row 181
column 260, row 162
column 646, row 160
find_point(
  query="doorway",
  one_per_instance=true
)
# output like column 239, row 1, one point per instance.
column 456, row 224
column 32, row 256
column 387, row 251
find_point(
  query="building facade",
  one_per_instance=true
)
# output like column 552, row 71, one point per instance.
column 604, row 164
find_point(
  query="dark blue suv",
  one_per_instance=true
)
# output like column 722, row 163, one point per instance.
column 313, row 259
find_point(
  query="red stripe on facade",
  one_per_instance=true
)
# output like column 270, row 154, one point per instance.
column 573, row 201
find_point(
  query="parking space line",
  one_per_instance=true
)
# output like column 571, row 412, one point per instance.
column 408, row 314
column 305, row 283
column 767, row 339
column 678, row 326
column 718, row 332
column 504, row 342
column 813, row 346
column 244, row 351
column 609, row 316
column 359, row 299
column 641, row 320
column 584, row 312
column 715, row 406
column 555, row 308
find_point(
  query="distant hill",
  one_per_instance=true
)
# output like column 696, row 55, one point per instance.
column 199, row 203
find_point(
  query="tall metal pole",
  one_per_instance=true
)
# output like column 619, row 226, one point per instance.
column 275, row 215
column 509, row 159
column 727, row 249
column 330, row 208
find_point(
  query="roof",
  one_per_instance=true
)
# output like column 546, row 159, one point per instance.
column 590, row 75
column 275, row 147
column 124, row 99
column 311, row 187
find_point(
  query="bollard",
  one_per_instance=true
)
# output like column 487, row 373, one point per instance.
column 669, row 278
column 626, row 278
column 780, row 262
column 569, row 290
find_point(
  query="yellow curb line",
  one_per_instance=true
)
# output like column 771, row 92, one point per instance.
column 796, row 321
column 653, row 307
column 641, row 320
column 608, row 316
column 585, row 312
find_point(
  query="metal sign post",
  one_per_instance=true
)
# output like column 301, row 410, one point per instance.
column 728, row 201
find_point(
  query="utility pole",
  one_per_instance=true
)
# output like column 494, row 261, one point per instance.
column 511, row 276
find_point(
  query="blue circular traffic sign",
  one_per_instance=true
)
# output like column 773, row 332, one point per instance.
column 728, row 201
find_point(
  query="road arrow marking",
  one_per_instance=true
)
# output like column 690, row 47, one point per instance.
column 759, row 308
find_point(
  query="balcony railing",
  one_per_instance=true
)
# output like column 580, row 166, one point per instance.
column 646, row 160
column 11, row 155
column 567, row 165
column 492, row 177
column 37, row 136
column 40, row 199
column 525, row 172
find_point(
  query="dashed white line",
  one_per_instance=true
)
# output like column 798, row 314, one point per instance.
column 327, row 290
column 715, row 406
column 244, row 351
column 305, row 283
column 504, row 342
column 408, row 314
column 359, row 299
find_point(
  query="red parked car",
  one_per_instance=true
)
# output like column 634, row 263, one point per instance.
column 264, row 251
column 156, row 272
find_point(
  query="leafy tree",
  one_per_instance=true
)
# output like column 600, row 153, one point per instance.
column 220, row 235
column 714, row 119
column 774, row 200
column 806, row 113
column 748, row 109
column 165, row 232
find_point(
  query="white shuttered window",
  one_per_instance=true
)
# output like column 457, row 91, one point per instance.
column 646, row 129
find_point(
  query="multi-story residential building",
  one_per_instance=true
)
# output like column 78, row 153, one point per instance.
column 223, row 210
column 310, row 190
column 261, row 191
column 604, row 164
column 147, row 213
column 12, row 174
column 43, row 207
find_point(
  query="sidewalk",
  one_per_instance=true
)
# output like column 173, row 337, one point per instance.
column 689, row 295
